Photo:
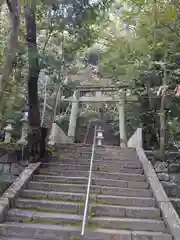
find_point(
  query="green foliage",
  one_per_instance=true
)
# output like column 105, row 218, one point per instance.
column 68, row 33
column 8, row 147
column 137, row 58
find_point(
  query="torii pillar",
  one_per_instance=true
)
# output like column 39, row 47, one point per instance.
column 122, row 123
column 73, row 116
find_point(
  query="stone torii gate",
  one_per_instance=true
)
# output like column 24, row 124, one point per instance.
column 77, row 98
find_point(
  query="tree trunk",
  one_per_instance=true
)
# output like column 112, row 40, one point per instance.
column 34, row 134
column 162, row 128
column 10, row 52
column 162, row 113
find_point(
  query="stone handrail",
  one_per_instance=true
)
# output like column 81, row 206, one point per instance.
column 169, row 214
column 135, row 140
column 57, row 135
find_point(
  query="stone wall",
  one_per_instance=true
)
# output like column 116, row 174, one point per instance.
column 168, row 171
column 11, row 167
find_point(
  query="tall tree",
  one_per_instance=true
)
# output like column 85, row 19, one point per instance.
column 10, row 51
column 34, row 134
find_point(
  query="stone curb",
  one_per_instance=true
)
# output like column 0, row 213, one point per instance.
column 169, row 214
column 7, row 199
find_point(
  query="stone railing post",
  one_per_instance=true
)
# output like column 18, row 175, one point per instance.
column 136, row 140
column 8, row 131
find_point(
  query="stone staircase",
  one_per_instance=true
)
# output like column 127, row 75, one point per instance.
column 122, row 206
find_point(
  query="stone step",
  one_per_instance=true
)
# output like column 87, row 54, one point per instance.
column 19, row 215
column 110, row 152
column 57, row 232
column 142, row 235
column 125, row 211
column 98, row 151
column 95, row 181
column 132, row 224
column 97, row 157
column 115, row 175
column 94, row 189
column 96, row 210
column 104, row 199
column 113, row 152
column 12, row 238
column 60, row 179
column 48, row 205
column 103, row 154
column 96, row 167
column 98, row 175
column 82, row 160
column 80, row 146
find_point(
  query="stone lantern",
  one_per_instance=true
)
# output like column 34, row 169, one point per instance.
column 24, row 131
column 99, row 136
column 8, row 131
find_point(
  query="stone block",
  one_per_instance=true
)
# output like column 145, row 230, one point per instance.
column 122, row 191
column 69, row 207
column 131, row 177
column 142, row 212
column 163, row 177
column 138, row 185
column 1, row 167
column 126, row 201
column 17, row 238
column 175, row 177
column 47, row 232
column 6, row 168
column 60, row 187
column 174, row 168
column 57, row 172
column 113, row 211
column 109, row 182
column 141, row 235
column 175, row 202
column 108, row 234
column 39, row 231
column 130, row 223
column 4, row 206
column 161, row 167
column 40, row 186
column 57, row 218
column 67, row 196
column 16, row 169
column 28, row 193
column 58, row 179
column 172, row 189
column 18, row 215
column 4, row 158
